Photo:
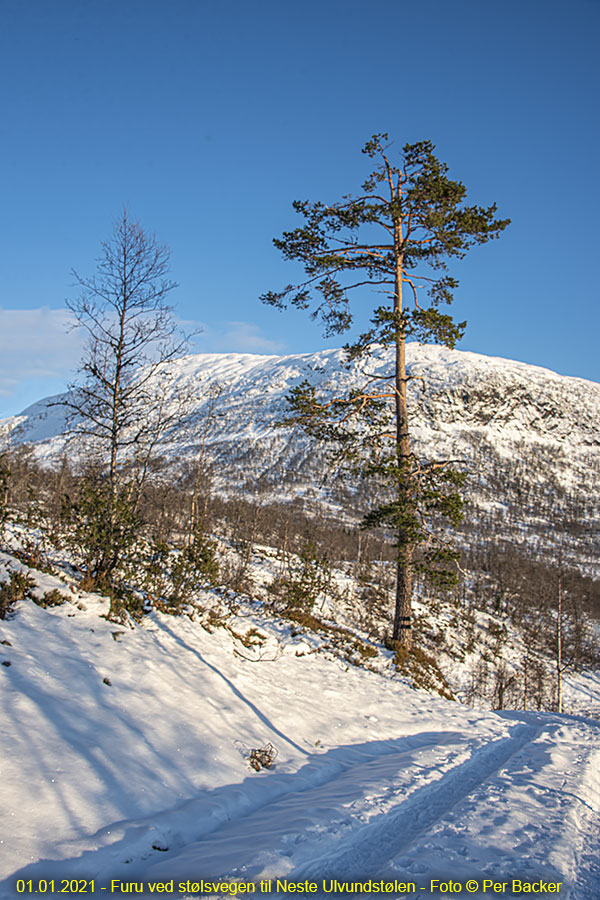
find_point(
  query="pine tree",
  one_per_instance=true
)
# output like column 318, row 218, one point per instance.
column 395, row 237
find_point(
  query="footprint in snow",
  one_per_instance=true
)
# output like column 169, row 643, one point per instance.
column 402, row 862
column 416, row 868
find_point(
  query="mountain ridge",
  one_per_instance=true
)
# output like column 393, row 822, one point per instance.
column 528, row 437
column 439, row 364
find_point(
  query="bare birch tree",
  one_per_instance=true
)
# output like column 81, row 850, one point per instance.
column 118, row 406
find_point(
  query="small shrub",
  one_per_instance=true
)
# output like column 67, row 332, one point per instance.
column 50, row 598
column 367, row 651
column 172, row 577
column 422, row 670
column 251, row 639
column 125, row 603
column 308, row 577
column 18, row 587
column 262, row 757
column 91, row 586
column 100, row 528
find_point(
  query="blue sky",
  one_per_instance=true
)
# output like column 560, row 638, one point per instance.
column 206, row 118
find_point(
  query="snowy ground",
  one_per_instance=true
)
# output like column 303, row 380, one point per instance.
column 145, row 779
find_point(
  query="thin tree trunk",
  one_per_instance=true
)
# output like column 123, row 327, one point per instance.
column 526, row 680
column 559, row 665
column 200, row 468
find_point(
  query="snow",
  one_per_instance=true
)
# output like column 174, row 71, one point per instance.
column 501, row 419
column 123, row 749
column 124, row 756
column 451, row 390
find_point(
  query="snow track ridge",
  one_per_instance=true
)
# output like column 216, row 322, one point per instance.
column 364, row 851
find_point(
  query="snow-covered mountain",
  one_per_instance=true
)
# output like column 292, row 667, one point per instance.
column 133, row 740
column 529, row 438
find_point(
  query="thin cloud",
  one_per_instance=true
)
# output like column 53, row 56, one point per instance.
column 40, row 350
column 235, row 337
column 37, row 344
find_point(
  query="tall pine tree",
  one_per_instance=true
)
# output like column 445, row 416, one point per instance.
column 396, row 237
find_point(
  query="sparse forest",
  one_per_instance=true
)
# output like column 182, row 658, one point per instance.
column 504, row 602
column 498, row 622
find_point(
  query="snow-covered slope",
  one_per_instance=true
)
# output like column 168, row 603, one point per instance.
column 124, row 756
column 460, row 390
column 529, row 438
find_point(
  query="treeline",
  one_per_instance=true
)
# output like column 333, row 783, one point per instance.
column 524, row 499
column 63, row 508
column 184, row 536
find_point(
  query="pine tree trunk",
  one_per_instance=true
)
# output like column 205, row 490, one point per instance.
column 402, row 633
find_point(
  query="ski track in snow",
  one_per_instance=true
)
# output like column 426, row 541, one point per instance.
column 412, row 809
column 409, row 807
column 144, row 779
column 404, row 793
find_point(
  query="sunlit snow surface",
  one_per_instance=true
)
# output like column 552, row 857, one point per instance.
column 449, row 390
column 145, row 778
